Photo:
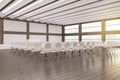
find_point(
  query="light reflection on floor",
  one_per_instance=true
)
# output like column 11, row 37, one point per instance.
column 103, row 64
column 114, row 54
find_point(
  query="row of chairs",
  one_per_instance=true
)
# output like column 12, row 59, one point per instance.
column 61, row 47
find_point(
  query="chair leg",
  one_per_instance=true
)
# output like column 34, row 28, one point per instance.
column 46, row 55
column 56, row 54
column 79, row 53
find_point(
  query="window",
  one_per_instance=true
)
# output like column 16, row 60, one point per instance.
column 72, row 29
column 41, row 38
column 16, row 26
column 55, row 29
column 55, row 38
column 8, row 38
column 113, row 37
column 113, row 25
column 71, row 38
column 91, row 27
column 37, row 28
column 91, row 38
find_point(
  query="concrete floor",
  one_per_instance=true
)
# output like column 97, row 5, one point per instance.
column 99, row 66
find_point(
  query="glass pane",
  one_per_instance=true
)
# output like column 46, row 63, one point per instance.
column 55, row 29
column 55, row 38
column 39, row 28
column 10, row 25
column 113, row 25
column 71, row 38
column 111, row 22
column 91, row 38
column 113, row 37
column 91, row 27
column 71, row 29
column 41, row 38
column 8, row 38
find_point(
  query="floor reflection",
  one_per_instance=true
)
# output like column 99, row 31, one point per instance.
column 103, row 64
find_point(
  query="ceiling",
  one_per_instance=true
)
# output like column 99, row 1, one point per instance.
column 62, row 12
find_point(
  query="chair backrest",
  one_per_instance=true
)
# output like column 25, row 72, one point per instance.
column 67, row 46
column 37, row 46
column 30, row 45
column 75, row 44
column 47, row 45
column 47, row 48
column 58, row 45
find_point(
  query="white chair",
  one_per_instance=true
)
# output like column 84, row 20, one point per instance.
column 37, row 48
column 67, row 47
column 58, row 47
column 23, row 45
column 47, row 49
column 13, row 45
column 29, row 47
column 80, row 49
column 74, row 46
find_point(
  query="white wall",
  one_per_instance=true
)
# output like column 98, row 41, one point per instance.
column 10, row 25
column 55, row 38
column 35, row 27
column 55, row 29
column 8, row 38
column 41, row 38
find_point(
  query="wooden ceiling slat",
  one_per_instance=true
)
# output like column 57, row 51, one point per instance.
column 80, row 11
column 36, row 9
column 20, row 8
column 92, row 21
column 77, row 18
column 52, row 19
column 7, row 5
column 82, row 17
column 72, row 8
column 62, row 16
column 31, row 21
column 90, row 18
column 54, row 8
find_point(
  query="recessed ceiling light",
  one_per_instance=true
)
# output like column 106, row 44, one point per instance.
column 12, row 5
column 36, row 2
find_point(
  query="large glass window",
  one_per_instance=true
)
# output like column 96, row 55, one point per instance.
column 91, row 37
column 71, row 38
column 113, row 25
column 55, row 38
column 113, row 37
column 17, row 26
column 91, row 27
column 41, row 38
column 55, row 29
column 8, row 38
column 37, row 28
column 72, row 29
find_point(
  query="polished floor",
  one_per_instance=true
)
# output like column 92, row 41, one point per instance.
column 103, row 65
